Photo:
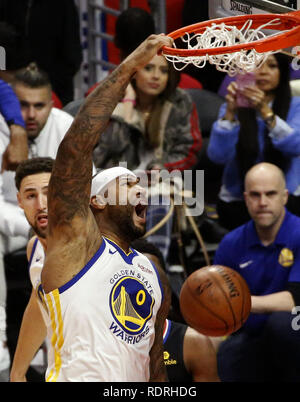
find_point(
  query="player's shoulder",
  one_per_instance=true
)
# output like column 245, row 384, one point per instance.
column 292, row 219
column 291, row 228
column 30, row 246
column 193, row 336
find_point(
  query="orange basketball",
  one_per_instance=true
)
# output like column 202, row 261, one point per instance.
column 215, row 300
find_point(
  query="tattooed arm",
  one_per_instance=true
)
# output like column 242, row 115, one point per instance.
column 73, row 235
column 69, row 188
column 158, row 370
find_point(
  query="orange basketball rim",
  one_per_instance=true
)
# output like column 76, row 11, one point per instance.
column 289, row 23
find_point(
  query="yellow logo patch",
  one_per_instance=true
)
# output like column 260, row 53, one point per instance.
column 286, row 257
column 166, row 355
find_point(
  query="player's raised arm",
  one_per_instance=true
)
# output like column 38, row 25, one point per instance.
column 69, row 188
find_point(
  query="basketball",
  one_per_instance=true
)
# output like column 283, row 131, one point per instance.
column 215, row 300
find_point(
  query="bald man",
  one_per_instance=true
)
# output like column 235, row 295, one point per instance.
column 266, row 252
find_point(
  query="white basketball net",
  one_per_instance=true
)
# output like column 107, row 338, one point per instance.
column 219, row 35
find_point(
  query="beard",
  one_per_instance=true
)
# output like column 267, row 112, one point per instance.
column 123, row 219
column 38, row 231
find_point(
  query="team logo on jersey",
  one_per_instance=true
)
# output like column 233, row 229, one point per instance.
column 131, row 305
column 286, row 257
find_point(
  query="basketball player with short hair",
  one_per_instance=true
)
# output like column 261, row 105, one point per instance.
column 106, row 302
column 31, row 179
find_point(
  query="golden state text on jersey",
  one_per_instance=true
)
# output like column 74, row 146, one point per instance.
column 103, row 319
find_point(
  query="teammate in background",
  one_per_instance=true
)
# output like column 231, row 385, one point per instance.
column 106, row 303
column 188, row 355
column 32, row 178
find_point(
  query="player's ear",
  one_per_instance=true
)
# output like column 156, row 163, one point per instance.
column 98, row 201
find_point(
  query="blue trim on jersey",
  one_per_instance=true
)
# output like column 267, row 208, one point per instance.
column 159, row 282
column 90, row 263
column 126, row 257
column 166, row 336
column 32, row 252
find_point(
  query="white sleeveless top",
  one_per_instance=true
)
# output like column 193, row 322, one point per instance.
column 102, row 320
column 35, row 266
column 36, row 263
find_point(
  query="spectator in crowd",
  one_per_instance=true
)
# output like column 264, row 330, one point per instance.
column 268, row 131
column 51, row 31
column 155, row 126
column 45, row 128
column 266, row 253
column 133, row 26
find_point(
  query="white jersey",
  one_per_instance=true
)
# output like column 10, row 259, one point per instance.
column 102, row 320
column 36, row 263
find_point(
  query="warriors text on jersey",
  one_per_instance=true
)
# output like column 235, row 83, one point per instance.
column 102, row 320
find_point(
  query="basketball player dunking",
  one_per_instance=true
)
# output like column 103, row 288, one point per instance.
column 106, row 302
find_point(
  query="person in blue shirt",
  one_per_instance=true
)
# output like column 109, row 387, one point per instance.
column 10, row 109
column 266, row 253
column 268, row 130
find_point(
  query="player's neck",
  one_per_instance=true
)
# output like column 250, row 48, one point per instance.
column 43, row 241
column 124, row 245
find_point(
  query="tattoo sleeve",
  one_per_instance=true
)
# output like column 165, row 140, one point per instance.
column 69, row 188
column 158, row 371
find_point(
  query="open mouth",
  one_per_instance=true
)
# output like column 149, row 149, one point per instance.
column 140, row 211
column 42, row 219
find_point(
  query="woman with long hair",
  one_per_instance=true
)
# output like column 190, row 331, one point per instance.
column 155, row 124
column 267, row 130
